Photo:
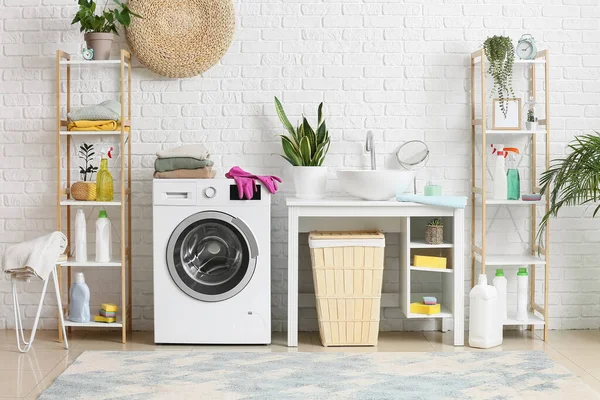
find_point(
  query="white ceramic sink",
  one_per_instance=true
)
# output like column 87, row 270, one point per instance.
column 375, row 184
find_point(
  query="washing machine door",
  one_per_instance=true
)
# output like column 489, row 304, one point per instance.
column 211, row 256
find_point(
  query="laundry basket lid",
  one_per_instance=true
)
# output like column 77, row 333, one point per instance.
column 318, row 240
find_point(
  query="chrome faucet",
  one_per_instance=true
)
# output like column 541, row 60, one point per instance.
column 370, row 148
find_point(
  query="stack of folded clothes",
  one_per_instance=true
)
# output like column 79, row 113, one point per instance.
column 185, row 162
column 101, row 117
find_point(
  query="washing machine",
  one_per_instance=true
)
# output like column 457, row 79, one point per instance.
column 212, row 263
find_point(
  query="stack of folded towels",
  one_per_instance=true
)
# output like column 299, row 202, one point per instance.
column 191, row 161
column 108, row 313
column 101, row 117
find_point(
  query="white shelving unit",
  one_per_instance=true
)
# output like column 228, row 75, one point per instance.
column 481, row 254
column 413, row 243
column 122, row 201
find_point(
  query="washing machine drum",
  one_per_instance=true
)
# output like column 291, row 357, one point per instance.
column 211, row 256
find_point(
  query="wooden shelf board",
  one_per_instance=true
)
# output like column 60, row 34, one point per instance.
column 93, row 324
column 512, row 132
column 516, row 260
column 91, row 264
column 94, row 63
column 494, row 202
column 442, row 270
column 89, row 203
column 518, row 61
column 92, row 133
column 420, row 244
column 532, row 319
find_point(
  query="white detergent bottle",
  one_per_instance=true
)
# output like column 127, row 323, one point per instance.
column 80, row 237
column 500, row 180
column 485, row 325
column 522, row 279
column 500, row 284
column 79, row 308
column 103, row 245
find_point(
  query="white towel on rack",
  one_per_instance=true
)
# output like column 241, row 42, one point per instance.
column 197, row 151
column 36, row 257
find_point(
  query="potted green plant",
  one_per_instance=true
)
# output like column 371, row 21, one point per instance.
column 573, row 180
column 500, row 53
column 100, row 28
column 305, row 149
column 85, row 189
column 531, row 122
column 434, row 232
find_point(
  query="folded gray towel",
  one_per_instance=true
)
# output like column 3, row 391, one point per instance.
column 173, row 163
column 107, row 110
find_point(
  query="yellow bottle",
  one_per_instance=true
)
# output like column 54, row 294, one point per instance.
column 104, row 180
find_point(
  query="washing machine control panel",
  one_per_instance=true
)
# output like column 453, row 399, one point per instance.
column 210, row 192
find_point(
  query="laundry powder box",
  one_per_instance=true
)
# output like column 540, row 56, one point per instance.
column 429, row 262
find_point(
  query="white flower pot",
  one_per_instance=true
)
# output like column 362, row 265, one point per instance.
column 310, row 182
column 531, row 126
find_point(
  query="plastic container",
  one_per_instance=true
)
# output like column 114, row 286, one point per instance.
column 500, row 181
column 80, row 237
column 485, row 326
column 522, row 282
column 513, row 180
column 500, row 284
column 103, row 243
column 348, row 275
column 79, row 308
column 104, row 179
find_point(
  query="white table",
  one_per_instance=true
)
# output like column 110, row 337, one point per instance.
column 339, row 214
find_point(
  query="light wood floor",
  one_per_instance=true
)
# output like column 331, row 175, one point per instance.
column 27, row 375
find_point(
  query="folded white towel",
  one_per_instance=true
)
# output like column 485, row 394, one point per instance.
column 197, row 151
column 36, row 257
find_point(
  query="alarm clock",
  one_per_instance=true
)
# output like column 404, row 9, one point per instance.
column 526, row 49
column 87, row 54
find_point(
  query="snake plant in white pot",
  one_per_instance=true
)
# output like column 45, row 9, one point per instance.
column 305, row 149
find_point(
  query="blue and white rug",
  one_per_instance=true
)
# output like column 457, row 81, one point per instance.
column 233, row 375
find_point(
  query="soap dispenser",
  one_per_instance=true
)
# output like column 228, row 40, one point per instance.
column 104, row 180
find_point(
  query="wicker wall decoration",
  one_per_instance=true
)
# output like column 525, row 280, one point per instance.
column 183, row 38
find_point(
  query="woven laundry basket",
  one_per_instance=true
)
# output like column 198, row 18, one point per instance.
column 348, row 274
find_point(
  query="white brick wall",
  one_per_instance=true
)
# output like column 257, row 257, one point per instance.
column 399, row 68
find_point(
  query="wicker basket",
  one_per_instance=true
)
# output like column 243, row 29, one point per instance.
column 348, row 275
column 434, row 234
column 83, row 191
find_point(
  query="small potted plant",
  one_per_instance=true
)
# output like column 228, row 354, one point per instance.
column 100, row 28
column 531, row 122
column 85, row 189
column 305, row 149
column 434, row 232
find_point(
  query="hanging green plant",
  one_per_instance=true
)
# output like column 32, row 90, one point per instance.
column 500, row 53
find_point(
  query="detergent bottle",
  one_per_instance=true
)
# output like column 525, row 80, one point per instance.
column 485, row 323
column 79, row 307
column 512, row 175
column 104, row 180
column 500, row 179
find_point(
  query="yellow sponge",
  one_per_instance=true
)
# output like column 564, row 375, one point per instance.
column 110, row 307
column 420, row 308
column 100, row 318
column 429, row 262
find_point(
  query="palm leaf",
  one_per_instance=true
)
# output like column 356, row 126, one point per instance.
column 573, row 180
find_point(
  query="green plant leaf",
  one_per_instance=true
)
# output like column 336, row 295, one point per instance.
column 320, row 114
column 291, row 151
column 305, row 151
column 283, row 118
column 310, row 134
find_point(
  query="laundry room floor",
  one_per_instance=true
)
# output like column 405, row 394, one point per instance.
column 27, row 375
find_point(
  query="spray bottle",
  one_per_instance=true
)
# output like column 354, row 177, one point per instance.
column 500, row 179
column 104, row 180
column 512, row 175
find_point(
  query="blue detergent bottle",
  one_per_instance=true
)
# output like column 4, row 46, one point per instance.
column 512, row 174
column 79, row 309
